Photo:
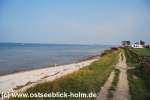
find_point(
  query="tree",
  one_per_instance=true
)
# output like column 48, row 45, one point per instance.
column 128, row 43
column 147, row 46
column 142, row 42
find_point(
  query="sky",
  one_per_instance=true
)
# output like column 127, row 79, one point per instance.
column 74, row 21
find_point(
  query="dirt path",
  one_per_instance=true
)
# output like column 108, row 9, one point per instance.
column 103, row 93
column 122, row 90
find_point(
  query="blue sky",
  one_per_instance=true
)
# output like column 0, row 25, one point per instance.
column 74, row 21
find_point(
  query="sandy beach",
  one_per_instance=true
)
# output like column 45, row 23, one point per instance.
column 23, row 80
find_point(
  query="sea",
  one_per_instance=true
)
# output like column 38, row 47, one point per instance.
column 16, row 57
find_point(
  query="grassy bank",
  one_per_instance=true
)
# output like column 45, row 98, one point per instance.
column 86, row 80
column 138, row 76
column 142, row 52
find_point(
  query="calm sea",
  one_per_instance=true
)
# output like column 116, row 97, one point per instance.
column 16, row 57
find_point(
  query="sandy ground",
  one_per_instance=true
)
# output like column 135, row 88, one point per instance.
column 122, row 90
column 23, row 80
column 104, row 90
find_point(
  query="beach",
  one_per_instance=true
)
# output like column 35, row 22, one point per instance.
column 20, row 81
column 17, row 57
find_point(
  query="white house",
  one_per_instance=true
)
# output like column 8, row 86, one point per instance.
column 137, row 45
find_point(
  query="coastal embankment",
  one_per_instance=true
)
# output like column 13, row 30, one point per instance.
column 22, row 80
column 87, row 79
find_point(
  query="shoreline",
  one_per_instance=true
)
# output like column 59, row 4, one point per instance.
column 20, row 81
column 52, row 65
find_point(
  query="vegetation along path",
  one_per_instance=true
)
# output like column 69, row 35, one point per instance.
column 122, row 89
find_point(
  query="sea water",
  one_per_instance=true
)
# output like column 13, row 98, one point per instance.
column 15, row 57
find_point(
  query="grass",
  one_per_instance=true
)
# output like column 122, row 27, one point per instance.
column 86, row 80
column 142, row 51
column 131, row 60
column 122, row 56
column 138, row 88
column 137, row 84
column 114, row 83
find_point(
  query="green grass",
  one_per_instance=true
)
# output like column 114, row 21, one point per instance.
column 138, row 88
column 131, row 60
column 137, row 84
column 86, row 80
column 142, row 51
column 121, row 56
column 114, row 83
